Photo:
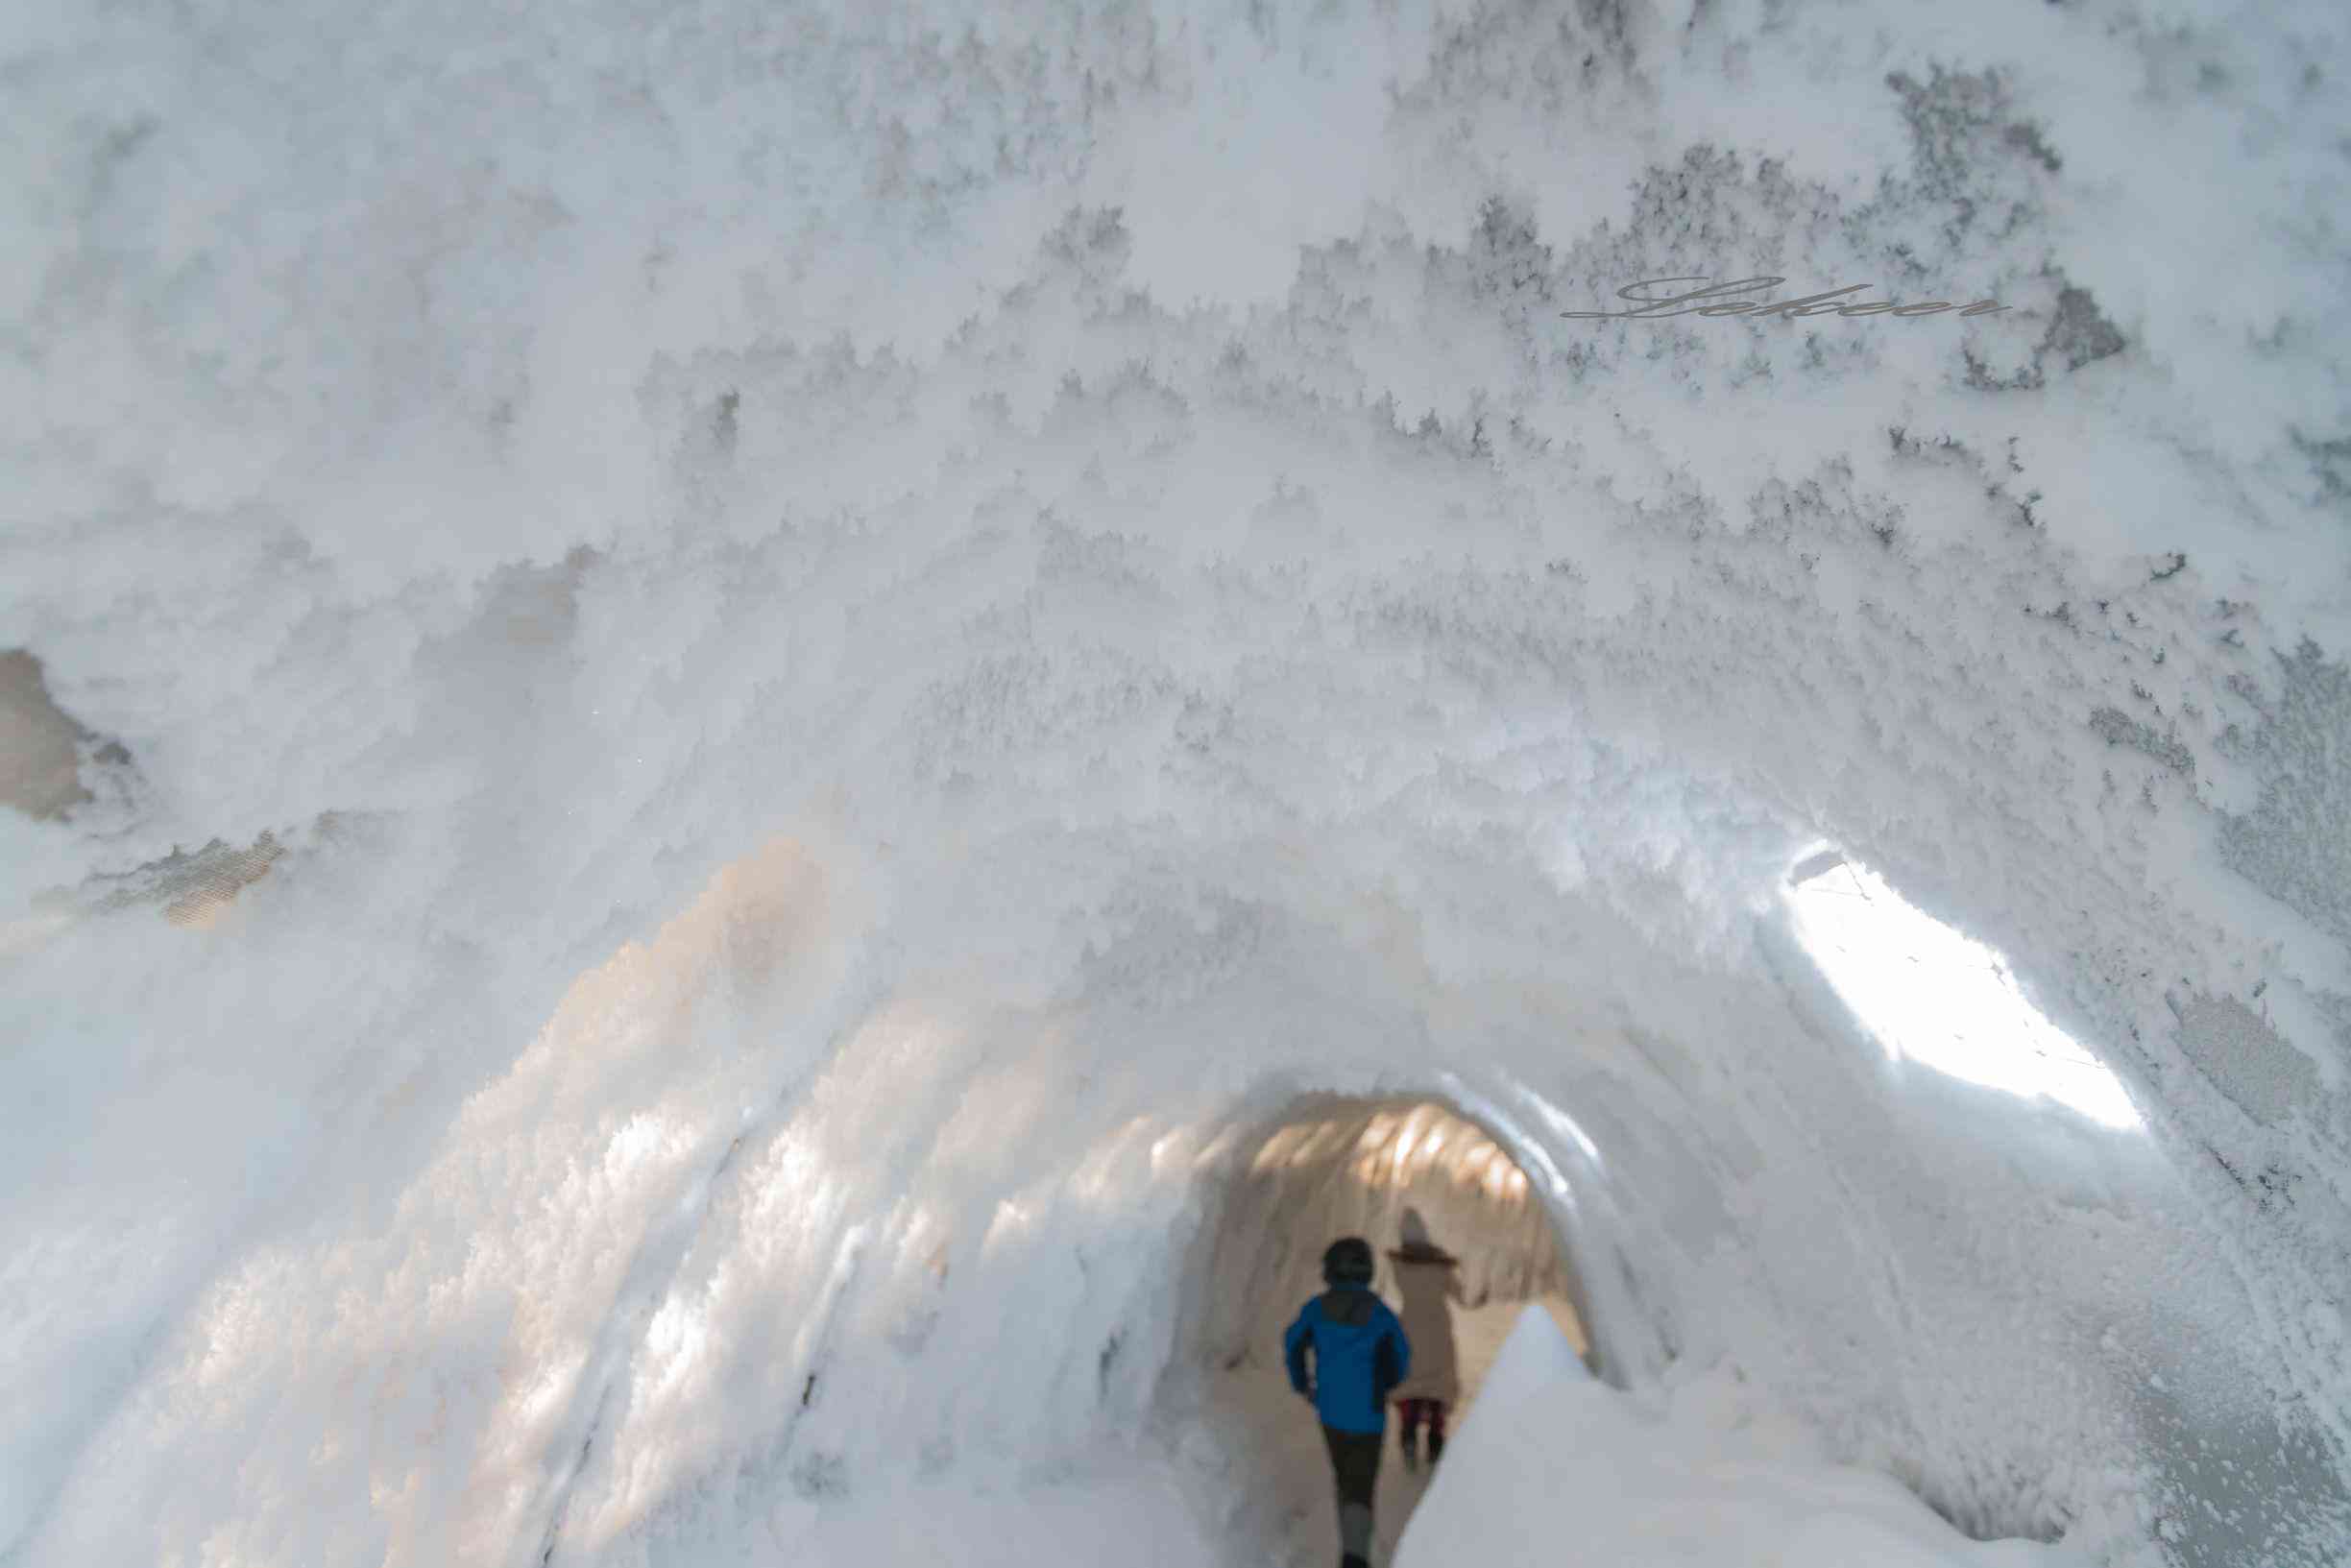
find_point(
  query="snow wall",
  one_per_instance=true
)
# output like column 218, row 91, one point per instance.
column 744, row 681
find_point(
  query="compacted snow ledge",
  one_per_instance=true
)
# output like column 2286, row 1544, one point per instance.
column 1552, row 1467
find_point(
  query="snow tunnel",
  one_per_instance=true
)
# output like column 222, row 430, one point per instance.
column 1324, row 1167
column 1318, row 1169
column 744, row 748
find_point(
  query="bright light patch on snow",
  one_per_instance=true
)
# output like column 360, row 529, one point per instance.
column 1395, row 1151
column 1933, row 995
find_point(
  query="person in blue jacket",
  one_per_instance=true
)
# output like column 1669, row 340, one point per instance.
column 1359, row 1353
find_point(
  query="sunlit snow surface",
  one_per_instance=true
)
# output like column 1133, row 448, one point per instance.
column 1933, row 995
column 868, row 635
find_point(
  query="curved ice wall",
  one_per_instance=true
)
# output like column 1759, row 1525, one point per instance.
column 846, row 639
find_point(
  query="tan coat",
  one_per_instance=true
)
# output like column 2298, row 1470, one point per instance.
column 1425, row 1282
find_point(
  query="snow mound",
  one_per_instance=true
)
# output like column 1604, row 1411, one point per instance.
column 1551, row 1465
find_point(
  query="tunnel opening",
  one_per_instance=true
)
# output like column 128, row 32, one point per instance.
column 1383, row 1168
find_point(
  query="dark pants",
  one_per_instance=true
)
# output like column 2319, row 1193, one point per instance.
column 1355, row 1461
column 1418, row 1411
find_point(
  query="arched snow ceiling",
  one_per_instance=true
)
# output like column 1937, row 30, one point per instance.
column 816, row 645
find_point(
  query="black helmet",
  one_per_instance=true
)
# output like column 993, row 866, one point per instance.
column 1347, row 1261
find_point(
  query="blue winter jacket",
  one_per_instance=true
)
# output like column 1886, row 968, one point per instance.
column 1360, row 1355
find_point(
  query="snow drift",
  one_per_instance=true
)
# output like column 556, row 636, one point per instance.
column 1552, row 1465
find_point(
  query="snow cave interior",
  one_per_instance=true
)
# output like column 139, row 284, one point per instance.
column 751, row 756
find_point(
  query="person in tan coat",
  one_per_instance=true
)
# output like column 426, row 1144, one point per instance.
column 1427, row 1277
